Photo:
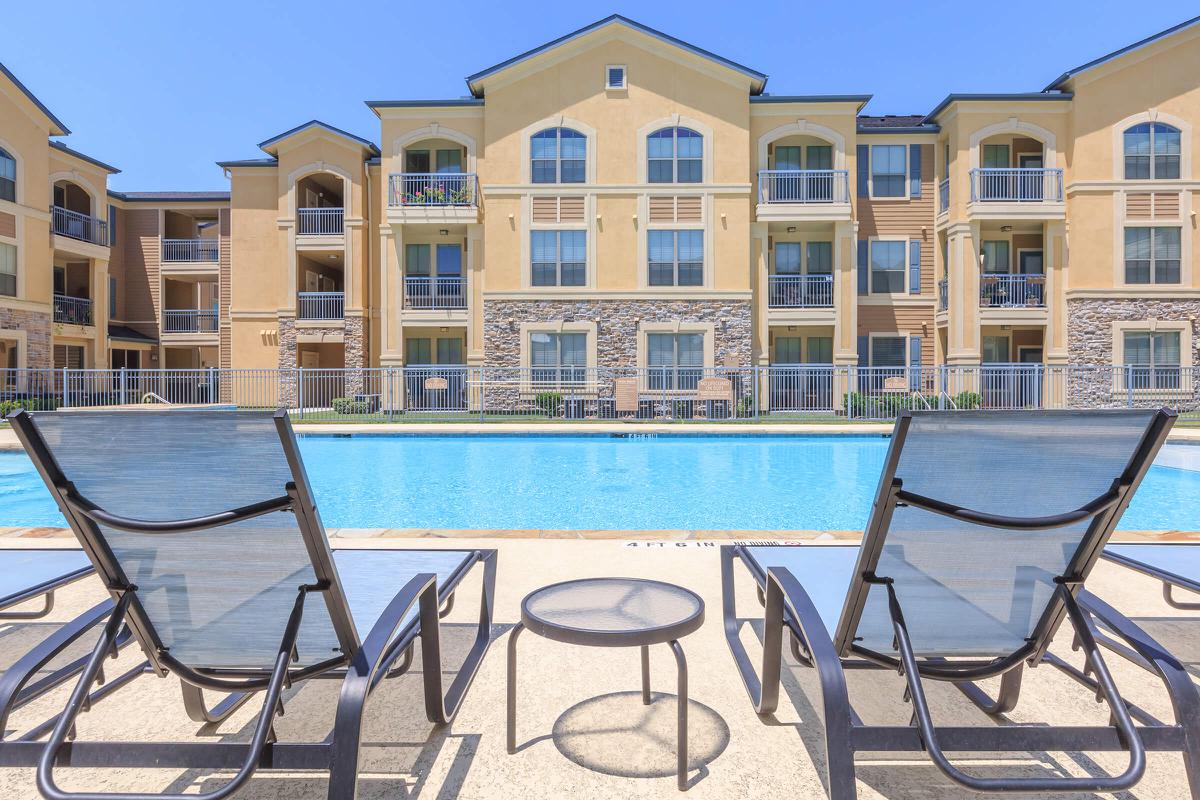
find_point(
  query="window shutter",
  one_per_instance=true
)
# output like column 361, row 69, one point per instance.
column 914, row 363
column 864, row 168
column 863, row 274
column 864, row 355
column 914, row 170
column 914, row 266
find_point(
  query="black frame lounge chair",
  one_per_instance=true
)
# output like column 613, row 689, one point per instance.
column 1175, row 564
column 955, row 588
column 203, row 526
column 28, row 574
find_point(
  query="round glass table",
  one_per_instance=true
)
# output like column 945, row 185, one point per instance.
column 612, row 612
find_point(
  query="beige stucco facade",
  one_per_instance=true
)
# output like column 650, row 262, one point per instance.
column 800, row 231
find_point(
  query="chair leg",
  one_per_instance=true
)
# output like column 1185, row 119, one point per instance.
column 193, row 704
column 681, row 733
column 645, row 675
column 511, row 704
column 47, row 607
column 1006, row 700
column 440, row 707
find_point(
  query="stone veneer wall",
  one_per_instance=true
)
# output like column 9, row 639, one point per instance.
column 617, row 323
column 38, row 341
column 355, row 361
column 1090, row 342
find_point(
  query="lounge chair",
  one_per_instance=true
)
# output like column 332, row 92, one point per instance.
column 984, row 528
column 32, row 574
column 203, row 527
column 1176, row 565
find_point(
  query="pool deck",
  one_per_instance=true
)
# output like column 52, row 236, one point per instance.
column 583, row 732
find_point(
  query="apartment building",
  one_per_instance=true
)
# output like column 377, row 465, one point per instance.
column 620, row 198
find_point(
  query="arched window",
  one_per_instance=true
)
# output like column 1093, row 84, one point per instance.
column 675, row 155
column 8, row 176
column 558, row 155
column 1152, row 152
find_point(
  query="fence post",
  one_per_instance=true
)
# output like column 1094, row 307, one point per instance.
column 212, row 385
column 1129, row 385
column 66, row 389
column 756, row 373
column 300, row 391
column 124, row 400
column 390, row 377
column 483, row 392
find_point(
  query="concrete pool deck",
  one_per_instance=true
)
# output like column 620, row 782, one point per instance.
column 582, row 728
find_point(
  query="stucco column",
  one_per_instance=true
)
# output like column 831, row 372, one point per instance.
column 845, row 293
column 99, row 282
column 962, row 337
column 474, row 293
column 759, row 285
column 1055, row 263
column 391, row 287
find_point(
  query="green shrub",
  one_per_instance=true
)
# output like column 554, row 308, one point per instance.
column 548, row 402
column 968, row 400
column 348, row 405
column 29, row 404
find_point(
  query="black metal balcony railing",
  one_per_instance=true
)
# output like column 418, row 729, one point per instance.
column 800, row 291
column 1012, row 291
column 72, row 310
column 189, row 320
column 75, row 225
column 422, row 291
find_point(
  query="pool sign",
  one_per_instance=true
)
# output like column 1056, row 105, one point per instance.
column 436, row 384
column 714, row 389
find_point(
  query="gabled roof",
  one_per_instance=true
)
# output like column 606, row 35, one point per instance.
column 758, row 79
column 269, row 146
column 57, row 129
column 1058, row 82
column 69, row 151
column 996, row 98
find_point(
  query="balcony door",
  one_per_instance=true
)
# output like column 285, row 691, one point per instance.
column 417, row 161
column 1032, row 185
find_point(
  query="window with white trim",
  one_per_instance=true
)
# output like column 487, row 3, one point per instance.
column 1152, row 359
column 676, row 258
column 8, row 176
column 889, row 351
column 889, row 170
column 558, row 155
column 888, row 266
column 614, row 76
column 8, row 270
column 675, row 155
column 557, row 357
column 558, row 258
column 1152, row 151
column 675, row 360
column 1152, row 255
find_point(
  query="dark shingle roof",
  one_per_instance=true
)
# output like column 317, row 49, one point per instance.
column 127, row 334
column 149, row 197
column 891, row 121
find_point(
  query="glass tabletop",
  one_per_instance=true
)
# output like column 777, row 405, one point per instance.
column 612, row 610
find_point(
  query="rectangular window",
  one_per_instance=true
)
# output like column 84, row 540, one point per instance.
column 112, row 225
column 995, row 156
column 995, row 350
column 887, row 267
column 787, row 258
column 889, row 177
column 558, row 258
column 1152, row 359
column 675, row 360
column 418, row 352
column 614, row 76
column 787, row 350
column 887, row 351
column 449, row 351
column 558, row 357
column 8, row 270
column 416, row 260
column 995, row 257
column 676, row 258
column 449, row 161
column 1152, row 255
column 112, row 297
column 820, row 258
column 820, row 350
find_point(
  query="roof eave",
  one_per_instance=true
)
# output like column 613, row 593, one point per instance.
column 1066, row 77
column 62, row 148
column 269, row 145
column 1036, row 97
column 57, row 127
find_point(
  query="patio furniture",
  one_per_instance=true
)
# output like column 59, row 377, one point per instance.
column 203, row 527
column 612, row 612
column 29, row 574
column 950, row 584
column 1177, row 566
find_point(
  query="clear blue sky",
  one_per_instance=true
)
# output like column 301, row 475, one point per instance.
column 164, row 89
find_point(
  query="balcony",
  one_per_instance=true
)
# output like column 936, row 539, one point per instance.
column 73, row 310
column 81, row 227
column 321, row 306
column 803, row 194
column 434, row 293
column 189, row 320
column 1021, row 193
column 433, row 197
column 319, row 221
column 800, row 291
column 944, row 196
column 190, row 251
column 943, row 294
column 1012, row 291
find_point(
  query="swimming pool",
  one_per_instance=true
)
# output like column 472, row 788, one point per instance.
column 668, row 482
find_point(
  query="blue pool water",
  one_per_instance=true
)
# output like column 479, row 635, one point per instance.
column 602, row 482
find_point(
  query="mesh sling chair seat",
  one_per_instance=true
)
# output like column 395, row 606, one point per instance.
column 983, row 530
column 31, row 574
column 204, row 529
